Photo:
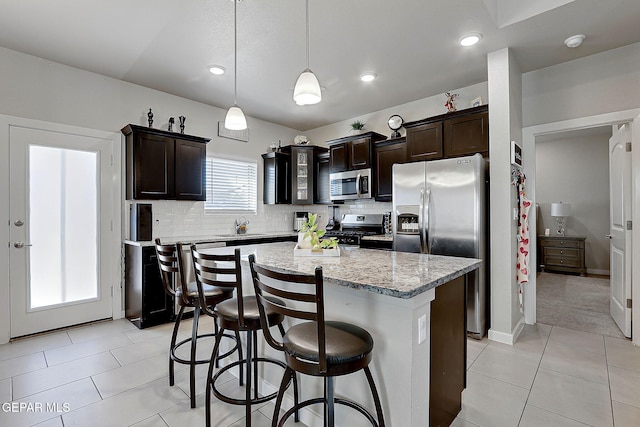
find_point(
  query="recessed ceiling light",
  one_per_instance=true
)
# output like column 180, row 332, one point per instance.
column 574, row 41
column 469, row 39
column 368, row 77
column 216, row 69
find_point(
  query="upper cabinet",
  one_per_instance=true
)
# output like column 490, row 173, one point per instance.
column 353, row 152
column 467, row 134
column 461, row 133
column 164, row 165
column 323, row 185
column 298, row 174
column 424, row 142
column 386, row 154
column 277, row 178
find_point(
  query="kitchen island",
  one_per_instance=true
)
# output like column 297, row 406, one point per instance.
column 414, row 306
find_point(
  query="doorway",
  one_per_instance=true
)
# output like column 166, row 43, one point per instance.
column 529, row 146
column 572, row 168
column 61, row 230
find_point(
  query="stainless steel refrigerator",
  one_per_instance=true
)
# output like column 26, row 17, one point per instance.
column 439, row 207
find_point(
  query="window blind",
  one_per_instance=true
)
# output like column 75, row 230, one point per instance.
column 232, row 185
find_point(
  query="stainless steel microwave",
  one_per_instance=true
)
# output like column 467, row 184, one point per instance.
column 351, row 185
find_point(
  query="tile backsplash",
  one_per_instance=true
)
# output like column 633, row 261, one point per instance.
column 173, row 218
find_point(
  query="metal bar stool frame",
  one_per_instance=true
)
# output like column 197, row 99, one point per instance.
column 237, row 319
column 319, row 365
column 171, row 268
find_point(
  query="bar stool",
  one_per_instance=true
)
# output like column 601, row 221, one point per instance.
column 239, row 314
column 186, row 294
column 314, row 347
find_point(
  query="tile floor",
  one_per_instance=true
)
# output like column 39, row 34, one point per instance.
column 112, row 374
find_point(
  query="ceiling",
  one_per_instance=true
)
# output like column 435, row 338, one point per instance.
column 411, row 44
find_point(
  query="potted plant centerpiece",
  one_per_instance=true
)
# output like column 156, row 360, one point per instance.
column 310, row 240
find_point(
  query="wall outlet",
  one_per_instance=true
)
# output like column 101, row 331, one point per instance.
column 422, row 328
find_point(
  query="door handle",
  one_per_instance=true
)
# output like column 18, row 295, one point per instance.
column 421, row 220
column 427, row 202
column 608, row 236
column 21, row 245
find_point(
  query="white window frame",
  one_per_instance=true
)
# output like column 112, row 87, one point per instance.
column 244, row 170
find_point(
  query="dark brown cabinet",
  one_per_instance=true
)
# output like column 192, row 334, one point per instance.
column 276, row 178
column 386, row 154
column 146, row 302
column 164, row 165
column 467, row 135
column 323, row 185
column 448, row 358
column 293, row 175
column 338, row 158
column 424, row 142
column 461, row 133
column 353, row 152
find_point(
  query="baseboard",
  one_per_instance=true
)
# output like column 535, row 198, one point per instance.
column 598, row 272
column 506, row 338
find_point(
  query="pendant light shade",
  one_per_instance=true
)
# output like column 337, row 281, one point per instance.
column 235, row 119
column 307, row 89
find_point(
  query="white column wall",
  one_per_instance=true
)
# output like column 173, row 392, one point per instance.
column 505, row 118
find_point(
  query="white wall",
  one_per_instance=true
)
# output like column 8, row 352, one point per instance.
column 576, row 171
column 37, row 89
column 377, row 121
column 597, row 84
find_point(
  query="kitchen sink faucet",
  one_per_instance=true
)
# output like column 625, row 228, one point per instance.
column 241, row 225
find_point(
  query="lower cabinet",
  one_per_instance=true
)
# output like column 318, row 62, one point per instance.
column 146, row 302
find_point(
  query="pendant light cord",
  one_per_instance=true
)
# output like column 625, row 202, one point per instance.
column 235, row 52
column 307, row 34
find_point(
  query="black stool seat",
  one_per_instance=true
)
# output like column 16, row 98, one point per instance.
column 212, row 294
column 345, row 343
column 227, row 313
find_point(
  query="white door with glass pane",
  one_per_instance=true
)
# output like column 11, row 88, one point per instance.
column 60, row 229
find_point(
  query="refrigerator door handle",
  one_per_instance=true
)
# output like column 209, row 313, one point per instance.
column 427, row 202
column 421, row 220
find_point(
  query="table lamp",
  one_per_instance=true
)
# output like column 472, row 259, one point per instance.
column 560, row 211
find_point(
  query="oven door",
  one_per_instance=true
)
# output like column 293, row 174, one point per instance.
column 351, row 185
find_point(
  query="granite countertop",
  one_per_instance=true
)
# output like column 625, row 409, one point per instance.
column 214, row 238
column 396, row 274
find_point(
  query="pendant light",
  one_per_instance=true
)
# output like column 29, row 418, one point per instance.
column 307, row 89
column 235, row 119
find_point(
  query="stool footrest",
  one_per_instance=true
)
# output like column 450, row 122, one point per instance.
column 321, row 400
column 243, row 362
column 200, row 361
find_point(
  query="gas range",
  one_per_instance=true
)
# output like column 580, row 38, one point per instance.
column 355, row 226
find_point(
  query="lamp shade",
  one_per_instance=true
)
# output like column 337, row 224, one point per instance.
column 307, row 89
column 560, row 209
column 235, row 119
